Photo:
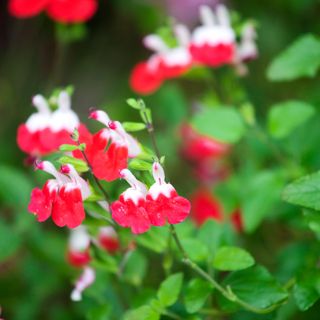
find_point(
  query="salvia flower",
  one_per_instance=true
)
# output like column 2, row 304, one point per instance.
column 78, row 254
column 213, row 43
column 64, row 11
column 109, row 149
column 108, row 239
column 130, row 210
column 164, row 64
column 45, row 131
column 61, row 198
column 163, row 202
column 85, row 280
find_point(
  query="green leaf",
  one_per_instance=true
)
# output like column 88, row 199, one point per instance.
column 142, row 313
column 262, row 192
column 135, row 268
column 232, row 258
column 301, row 58
column 304, row 192
column 68, row 147
column 284, row 117
column 9, row 241
column 305, row 294
column 156, row 239
column 68, row 33
column 256, row 286
column 224, row 124
column 196, row 294
column 78, row 164
column 140, row 165
column 169, row 289
column 133, row 126
column 133, row 103
column 195, row 249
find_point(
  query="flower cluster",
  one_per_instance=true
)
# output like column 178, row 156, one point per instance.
column 139, row 208
column 63, row 11
column 212, row 44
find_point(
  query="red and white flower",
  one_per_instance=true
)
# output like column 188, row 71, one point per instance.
column 85, row 280
column 164, row 64
column 108, row 239
column 163, row 202
column 61, row 198
column 45, row 131
column 108, row 150
column 130, row 210
column 64, row 11
column 213, row 43
column 78, row 254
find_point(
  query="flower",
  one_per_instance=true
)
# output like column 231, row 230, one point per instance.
column 165, row 63
column 78, row 254
column 197, row 147
column 45, row 131
column 205, row 206
column 61, row 198
column 108, row 150
column 237, row 220
column 213, row 43
column 85, row 280
column 130, row 210
column 163, row 202
column 108, row 239
column 63, row 11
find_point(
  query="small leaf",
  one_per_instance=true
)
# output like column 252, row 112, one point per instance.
column 140, row 165
column 304, row 192
column 142, row 313
column 305, row 294
column 195, row 249
column 196, row 295
column 133, row 126
column 78, row 164
column 301, row 58
column 169, row 289
column 68, row 147
column 133, row 103
column 224, row 124
column 232, row 258
column 284, row 117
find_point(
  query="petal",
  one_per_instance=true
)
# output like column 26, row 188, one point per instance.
column 71, row 11
column 180, row 209
column 26, row 8
column 143, row 80
column 40, row 205
column 68, row 208
column 78, row 259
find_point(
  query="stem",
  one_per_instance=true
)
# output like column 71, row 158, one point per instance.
column 171, row 315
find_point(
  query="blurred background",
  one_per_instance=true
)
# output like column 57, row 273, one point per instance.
column 36, row 58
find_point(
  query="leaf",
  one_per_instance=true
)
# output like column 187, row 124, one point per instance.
column 169, row 289
column 140, row 165
column 133, row 103
column 68, row 147
column 305, row 295
column 135, row 268
column 78, row 164
column 156, row 239
column 142, row 313
column 195, row 249
column 304, row 192
column 301, row 58
column 133, row 126
column 284, row 117
column 224, row 124
column 232, row 258
column 256, row 286
column 261, row 194
column 196, row 294
column 9, row 241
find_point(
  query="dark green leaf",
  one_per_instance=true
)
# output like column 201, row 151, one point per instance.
column 196, row 294
column 169, row 289
column 302, row 58
column 284, row 117
column 224, row 124
column 232, row 258
column 305, row 294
